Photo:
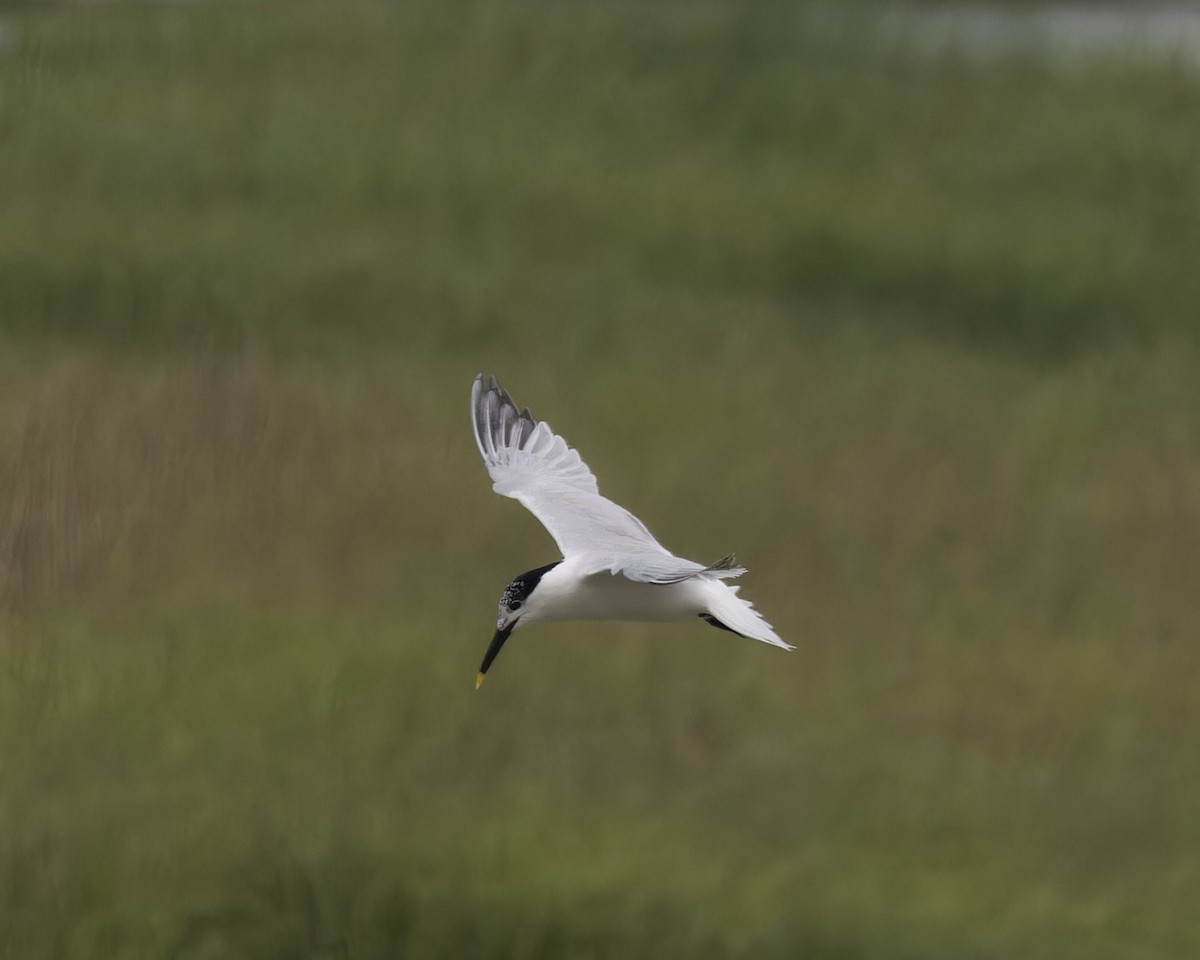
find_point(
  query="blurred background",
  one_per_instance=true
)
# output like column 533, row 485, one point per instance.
column 898, row 303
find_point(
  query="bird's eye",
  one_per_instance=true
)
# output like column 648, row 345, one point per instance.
column 515, row 605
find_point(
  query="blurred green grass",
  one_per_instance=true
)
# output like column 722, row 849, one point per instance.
column 241, row 171
column 238, row 716
column 915, row 339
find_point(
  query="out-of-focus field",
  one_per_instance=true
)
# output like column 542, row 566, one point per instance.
column 916, row 339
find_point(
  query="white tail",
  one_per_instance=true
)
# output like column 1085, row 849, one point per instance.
column 739, row 615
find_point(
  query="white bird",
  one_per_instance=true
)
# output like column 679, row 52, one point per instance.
column 612, row 567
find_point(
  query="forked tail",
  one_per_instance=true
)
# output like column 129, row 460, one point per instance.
column 727, row 610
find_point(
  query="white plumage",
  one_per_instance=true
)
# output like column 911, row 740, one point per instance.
column 612, row 568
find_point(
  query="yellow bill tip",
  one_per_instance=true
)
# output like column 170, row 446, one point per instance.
column 478, row 680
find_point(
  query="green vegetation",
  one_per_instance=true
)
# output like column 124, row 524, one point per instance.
column 916, row 339
column 407, row 173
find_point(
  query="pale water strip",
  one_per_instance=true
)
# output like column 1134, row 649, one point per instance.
column 1060, row 31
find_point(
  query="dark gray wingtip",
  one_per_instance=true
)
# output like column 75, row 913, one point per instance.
column 726, row 568
column 479, row 394
column 498, row 421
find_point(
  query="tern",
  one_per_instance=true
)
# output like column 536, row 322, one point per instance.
column 612, row 568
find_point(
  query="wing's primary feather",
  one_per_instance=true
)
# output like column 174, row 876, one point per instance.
column 518, row 450
column 532, row 464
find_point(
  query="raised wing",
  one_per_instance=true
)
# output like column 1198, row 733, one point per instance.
column 528, row 461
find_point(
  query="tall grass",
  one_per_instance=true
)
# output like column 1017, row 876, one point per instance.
column 180, row 173
column 914, row 339
column 241, row 722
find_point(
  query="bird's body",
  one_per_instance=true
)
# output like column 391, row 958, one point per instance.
column 570, row 592
column 612, row 568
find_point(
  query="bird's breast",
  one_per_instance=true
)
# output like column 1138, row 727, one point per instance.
column 605, row 596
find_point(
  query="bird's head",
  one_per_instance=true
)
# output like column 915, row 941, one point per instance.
column 514, row 605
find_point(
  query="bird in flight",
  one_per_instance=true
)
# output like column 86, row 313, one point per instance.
column 612, row 567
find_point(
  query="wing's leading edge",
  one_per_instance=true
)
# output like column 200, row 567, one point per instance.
column 529, row 462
